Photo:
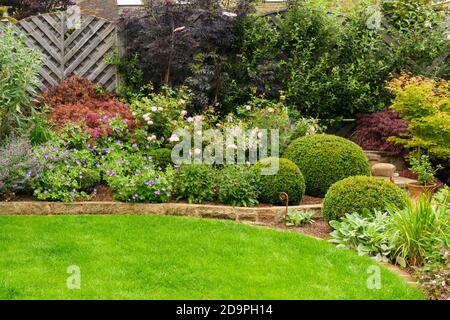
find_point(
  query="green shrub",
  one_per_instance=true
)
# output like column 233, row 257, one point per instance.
column 89, row 180
column 354, row 194
column 325, row 159
column 161, row 157
column 19, row 66
column 425, row 104
column 195, row 182
column 288, row 178
column 236, row 186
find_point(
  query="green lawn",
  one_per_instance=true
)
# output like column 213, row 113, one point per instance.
column 155, row 257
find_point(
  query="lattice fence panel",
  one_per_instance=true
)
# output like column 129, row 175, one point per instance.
column 79, row 51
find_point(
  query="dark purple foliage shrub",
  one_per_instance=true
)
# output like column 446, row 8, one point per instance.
column 21, row 9
column 167, row 34
column 18, row 167
column 373, row 130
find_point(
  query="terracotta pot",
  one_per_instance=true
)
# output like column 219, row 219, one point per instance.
column 415, row 189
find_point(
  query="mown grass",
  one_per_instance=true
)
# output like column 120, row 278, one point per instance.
column 158, row 257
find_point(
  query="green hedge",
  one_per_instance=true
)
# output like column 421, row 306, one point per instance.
column 288, row 178
column 162, row 157
column 325, row 159
column 354, row 194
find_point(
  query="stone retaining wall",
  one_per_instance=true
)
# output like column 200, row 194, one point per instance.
column 256, row 214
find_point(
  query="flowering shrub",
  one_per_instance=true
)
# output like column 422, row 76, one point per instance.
column 78, row 101
column 18, row 167
column 164, row 112
column 67, row 175
column 374, row 129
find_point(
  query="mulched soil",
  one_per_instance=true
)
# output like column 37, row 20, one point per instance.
column 319, row 229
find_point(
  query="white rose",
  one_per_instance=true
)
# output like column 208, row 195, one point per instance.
column 183, row 112
column 154, row 109
column 150, row 122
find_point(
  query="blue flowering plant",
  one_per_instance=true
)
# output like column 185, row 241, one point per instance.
column 18, row 167
column 68, row 174
column 133, row 176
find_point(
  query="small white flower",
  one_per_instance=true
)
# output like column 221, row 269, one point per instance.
column 183, row 112
column 154, row 109
column 134, row 114
column 448, row 37
column 160, row 109
column 270, row 110
column 182, row 101
column 198, row 118
column 198, row 132
column 428, row 24
column 248, row 107
column 229, row 119
column 218, row 125
column 152, row 138
column 190, row 119
column 150, row 122
column 260, row 134
column 229, row 14
column 197, row 151
column 174, row 138
column 232, row 146
column 146, row 117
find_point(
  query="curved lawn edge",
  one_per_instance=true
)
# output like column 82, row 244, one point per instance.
column 272, row 214
column 166, row 257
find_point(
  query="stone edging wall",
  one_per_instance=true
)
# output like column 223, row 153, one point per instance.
column 255, row 214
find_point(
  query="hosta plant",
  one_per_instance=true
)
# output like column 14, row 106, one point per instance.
column 298, row 218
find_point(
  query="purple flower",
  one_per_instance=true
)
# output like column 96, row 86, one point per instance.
column 73, row 192
column 95, row 191
column 118, row 142
column 29, row 173
column 157, row 192
column 134, row 145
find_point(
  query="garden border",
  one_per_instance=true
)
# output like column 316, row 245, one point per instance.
column 274, row 214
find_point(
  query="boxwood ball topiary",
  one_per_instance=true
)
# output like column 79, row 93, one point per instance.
column 288, row 178
column 354, row 194
column 325, row 159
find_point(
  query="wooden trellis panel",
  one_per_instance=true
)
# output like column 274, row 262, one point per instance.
column 79, row 51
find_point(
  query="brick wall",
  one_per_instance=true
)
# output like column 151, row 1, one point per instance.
column 106, row 9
